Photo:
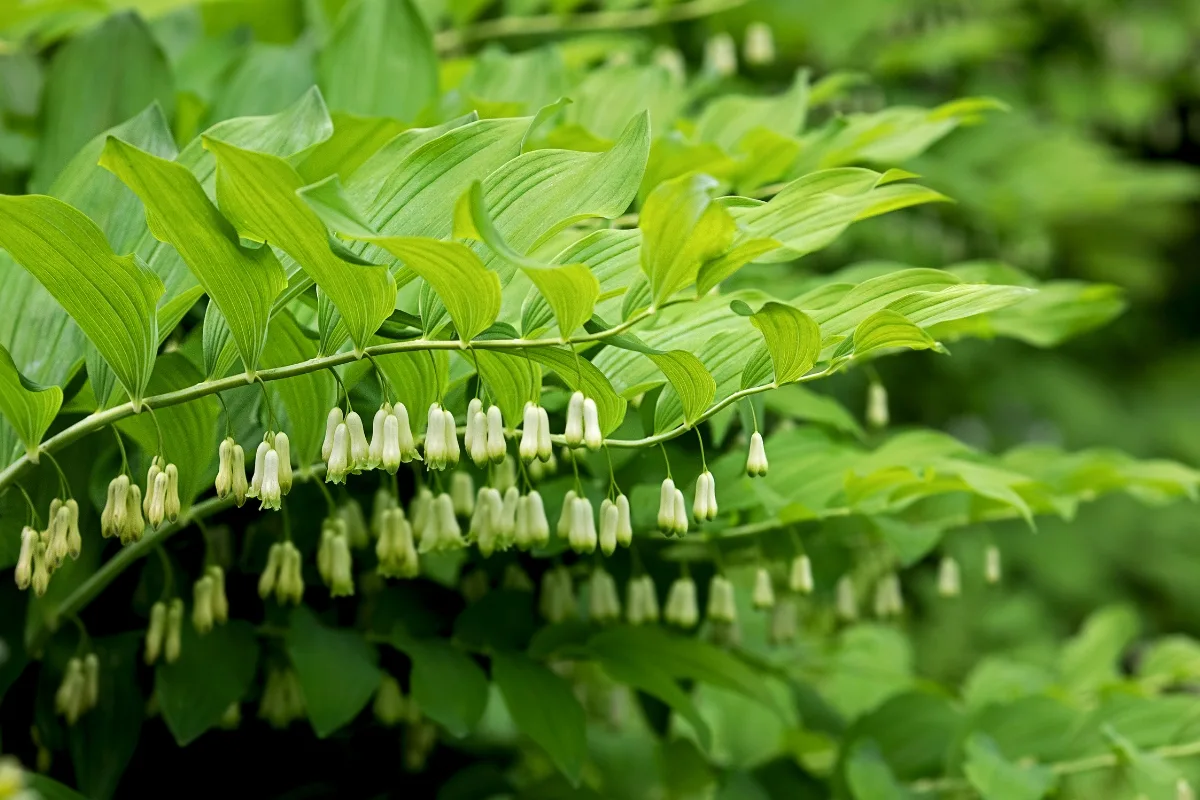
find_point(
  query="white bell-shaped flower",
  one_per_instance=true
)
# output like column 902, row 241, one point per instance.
column 846, row 600
column 682, row 609
column 609, row 517
column 722, row 605
column 666, row 507
column 992, row 570
column 497, row 447
column 624, row 521
column 603, row 603
column 332, row 420
column 338, row 465
column 435, row 439
column 360, row 449
column 566, row 516
column 539, row 526
column 760, row 44
column 573, row 434
column 545, row 447
column 283, row 446
column 527, row 449
column 592, row 436
column 756, row 461
column 949, row 581
column 408, row 444
column 451, row 427
column 583, row 526
column 375, row 452
column 764, row 590
column 270, row 495
column 462, row 493
column 260, row 458
column 390, row 455
column 800, row 578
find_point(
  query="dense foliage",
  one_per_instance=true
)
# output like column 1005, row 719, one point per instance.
column 644, row 408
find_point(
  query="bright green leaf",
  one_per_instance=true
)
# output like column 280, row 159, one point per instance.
column 544, row 708
column 682, row 228
column 693, row 384
column 792, row 338
column 27, row 407
column 997, row 778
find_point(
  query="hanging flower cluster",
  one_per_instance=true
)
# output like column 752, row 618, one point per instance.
column 283, row 575
column 164, row 635
column 282, row 700
column 43, row 552
column 210, row 606
column 161, row 502
column 80, row 689
column 122, row 515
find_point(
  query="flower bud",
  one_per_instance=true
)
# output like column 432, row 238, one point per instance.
column 666, row 507
column 877, row 405
column 224, row 482
column 681, row 517
column 583, row 526
column 158, row 501
column 476, row 438
column 476, row 427
column 682, row 609
column 391, row 455
column 112, row 519
column 800, row 578
column 68, row 700
column 573, row 434
column 41, row 569
column 332, row 421
column 405, row 439
column 759, row 44
column 506, row 520
column 783, row 622
column 135, row 525
column 360, row 450
column 528, row 447
column 395, row 549
column 484, row 520
column 171, row 505
column 462, row 493
column 539, row 526
column 173, row 639
column 375, row 450
column 435, row 439
column 603, row 603
column 720, row 56
column 609, row 517
column 91, row 681
column 764, row 591
column 341, row 578
column 390, row 707
column 240, row 488
column 557, row 601
column 545, row 445
column 722, row 605
column 24, row 571
column 992, row 571
column 704, row 506
column 756, row 462
column 290, row 588
column 452, row 450
column 269, row 493
column 338, row 463
column 270, row 574
column 592, row 436
column 220, row 601
column 59, row 528
column 422, row 515
column 566, row 516
column 283, row 447
column 151, row 479
column 260, row 465
column 846, row 600
column 522, row 533
column 497, row 447
column 202, row 617
column 949, row 582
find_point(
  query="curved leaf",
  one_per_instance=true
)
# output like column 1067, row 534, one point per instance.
column 28, row 408
column 792, row 338
column 682, row 228
column 693, row 384
column 544, row 708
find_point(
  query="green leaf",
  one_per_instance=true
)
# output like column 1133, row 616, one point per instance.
column 112, row 298
column 338, row 670
column 728, row 119
column 96, row 80
column 542, row 191
column 997, row 778
column 693, row 384
column 887, row 330
column 1153, row 777
column 257, row 192
column 29, row 408
column 390, row 36
column 802, row 403
column 792, row 338
column 1090, row 659
column 870, row 778
column 217, row 343
column 355, row 140
column 306, row 398
column 579, row 374
column 682, row 228
column 511, row 380
column 544, row 708
column 104, row 740
column 447, row 684
column 417, row 379
column 611, row 255
column 243, row 283
column 49, row 789
column 570, row 290
column 213, row 671
column 718, row 269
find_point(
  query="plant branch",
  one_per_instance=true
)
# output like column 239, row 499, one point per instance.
column 551, row 24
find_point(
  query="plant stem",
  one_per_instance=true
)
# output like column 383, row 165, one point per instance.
column 550, row 24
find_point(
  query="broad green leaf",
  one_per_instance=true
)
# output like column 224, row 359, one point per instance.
column 693, row 386
column 870, row 778
column 189, row 439
column 257, row 192
column 543, row 191
column 544, row 708
column 888, row 329
column 112, row 298
column 1090, row 659
column 417, row 379
column 997, row 778
column 611, row 255
column 728, row 119
column 391, row 37
column 338, row 670
column 718, row 269
column 217, row 342
column 512, row 381
column 103, row 741
column 447, row 684
column 580, row 374
column 44, row 342
column 354, row 141
column 49, row 789
column 792, row 338
column 519, row 81
column 213, row 671
column 269, row 78
column 29, row 408
column 682, row 228
column 606, row 99
column 570, row 290
column 802, row 403
column 96, row 80
column 1059, row 311
column 306, row 398
column 243, row 283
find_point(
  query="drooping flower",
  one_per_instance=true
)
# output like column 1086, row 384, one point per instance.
column 573, row 434
column 528, row 446
column 681, row 609
column 155, row 632
column 497, row 447
column 609, row 517
column 173, row 638
column 992, row 571
column 764, row 590
column 759, row 45
column 220, row 601
column 338, row 463
column 720, row 56
column 202, row 616
column 846, row 600
column 24, row 570
column 877, row 405
column 332, row 421
column 462, row 493
column 704, row 506
column 949, row 582
column 641, row 604
column 603, row 603
column 592, row 435
column 756, row 461
column 800, row 577
column 557, row 601
column 583, row 538
column 112, row 518
column 722, row 604
column 341, row 577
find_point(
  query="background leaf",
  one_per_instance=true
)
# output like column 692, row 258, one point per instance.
column 544, row 708
column 337, row 669
column 28, row 408
column 213, row 671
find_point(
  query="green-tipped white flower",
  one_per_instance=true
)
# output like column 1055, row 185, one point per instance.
column 260, row 463
column 497, row 447
column 443, row 531
column 720, row 56
column 992, row 569
column 270, row 494
column 672, row 510
column 764, row 590
column 231, row 471
column 624, row 521
column 331, row 528
column 290, row 586
column 760, row 44
column 846, row 600
column 155, row 632
column 332, row 421
column 545, row 447
column 877, row 405
column 91, row 681
column 452, row 451
column 641, row 605
column 592, row 435
column 338, row 464
column 220, row 601
column 609, row 516
column 375, row 449
column 538, row 470
column 341, row 568
column 24, row 570
column 435, row 438
column 756, row 461
column 484, row 524
column 557, row 601
column 69, row 699
column 421, row 515
column 800, row 578
column 351, row 513
column 113, row 518
column 390, row 707
column 682, row 609
column 722, row 605
column 563, row 528
column 475, row 439
column 173, row 638
column 404, row 438
column 202, row 616
column 537, row 527
column 583, row 536
column 528, row 446
column 157, row 512
column 396, row 550
column 384, row 501
column 506, row 521
column 270, row 574
column 504, row 475
column 889, row 602
column 40, row 581
column 462, row 493
column 72, row 536
column 949, row 581
column 360, row 449
column 603, row 602
column 573, row 433
column 282, row 699
column 283, row 448
column 704, row 506
column 783, row 621
column 151, row 480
